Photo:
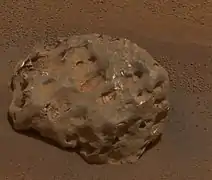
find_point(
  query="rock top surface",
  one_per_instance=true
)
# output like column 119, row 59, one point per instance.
column 105, row 97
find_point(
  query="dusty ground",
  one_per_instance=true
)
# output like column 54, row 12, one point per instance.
column 176, row 32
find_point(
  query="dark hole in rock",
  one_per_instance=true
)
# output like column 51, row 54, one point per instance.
column 88, row 149
column 128, row 75
column 107, row 92
column 35, row 57
column 68, row 138
column 92, row 59
column 159, row 100
column 115, row 140
column 79, row 62
column 140, row 93
column 87, row 133
column 138, row 73
column 148, row 121
column 24, row 84
column 63, row 53
column 23, row 100
column 115, row 39
column 161, row 115
column 158, row 84
column 142, row 124
column 129, row 101
column 105, row 149
column 101, row 36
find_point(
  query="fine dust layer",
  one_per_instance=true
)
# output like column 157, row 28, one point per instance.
column 105, row 97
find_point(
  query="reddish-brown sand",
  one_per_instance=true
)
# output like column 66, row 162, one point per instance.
column 176, row 32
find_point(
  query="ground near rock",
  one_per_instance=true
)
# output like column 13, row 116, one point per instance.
column 105, row 97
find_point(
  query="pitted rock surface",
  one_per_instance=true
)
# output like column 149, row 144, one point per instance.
column 105, row 97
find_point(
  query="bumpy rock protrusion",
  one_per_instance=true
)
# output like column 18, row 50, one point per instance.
column 104, row 96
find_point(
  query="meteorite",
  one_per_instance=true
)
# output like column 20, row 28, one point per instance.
column 104, row 96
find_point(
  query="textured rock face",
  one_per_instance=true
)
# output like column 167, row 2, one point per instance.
column 104, row 96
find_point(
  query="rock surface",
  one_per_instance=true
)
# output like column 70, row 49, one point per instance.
column 105, row 97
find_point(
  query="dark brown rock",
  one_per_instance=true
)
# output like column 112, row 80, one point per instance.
column 104, row 96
